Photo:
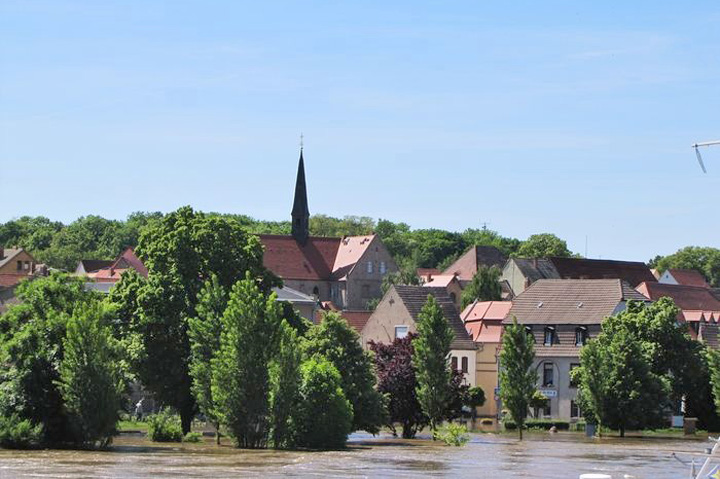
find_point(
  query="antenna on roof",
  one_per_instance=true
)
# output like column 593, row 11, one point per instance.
column 301, row 141
column 697, row 151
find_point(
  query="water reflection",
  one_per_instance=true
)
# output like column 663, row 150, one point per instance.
column 489, row 456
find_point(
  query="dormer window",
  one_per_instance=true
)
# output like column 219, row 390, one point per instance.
column 581, row 336
column 549, row 336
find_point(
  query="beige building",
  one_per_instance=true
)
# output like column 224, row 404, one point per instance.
column 17, row 264
column 451, row 285
column 396, row 316
column 562, row 314
column 483, row 320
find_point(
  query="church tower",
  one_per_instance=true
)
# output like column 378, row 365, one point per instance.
column 300, row 211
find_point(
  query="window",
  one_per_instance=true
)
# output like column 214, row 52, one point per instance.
column 401, row 332
column 581, row 335
column 548, row 375
column 453, row 297
column 574, row 409
column 464, row 364
column 549, row 336
column 316, row 291
column 27, row 265
column 383, row 267
column 19, row 265
column 369, row 267
column 529, row 332
column 547, row 412
column 453, row 361
column 573, row 384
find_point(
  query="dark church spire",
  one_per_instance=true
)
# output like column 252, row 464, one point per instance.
column 300, row 211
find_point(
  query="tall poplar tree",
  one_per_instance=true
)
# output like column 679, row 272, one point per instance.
column 517, row 378
column 431, row 361
column 204, row 332
column 240, row 370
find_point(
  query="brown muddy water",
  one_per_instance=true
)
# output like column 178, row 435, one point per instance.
column 485, row 456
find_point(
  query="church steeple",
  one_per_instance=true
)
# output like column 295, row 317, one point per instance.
column 300, row 211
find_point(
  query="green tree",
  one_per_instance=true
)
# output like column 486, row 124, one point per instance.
column 325, row 414
column 33, row 336
column 517, row 378
column 543, row 245
column 485, row 286
column 91, row 381
column 713, row 357
column 181, row 251
column 204, row 332
column 340, row 344
column 430, row 358
column 705, row 260
column 487, row 237
column 285, row 382
column 616, row 381
column 240, row 370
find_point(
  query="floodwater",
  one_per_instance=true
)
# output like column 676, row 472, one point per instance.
column 545, row 456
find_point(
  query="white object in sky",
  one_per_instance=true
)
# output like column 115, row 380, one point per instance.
column 697, row 151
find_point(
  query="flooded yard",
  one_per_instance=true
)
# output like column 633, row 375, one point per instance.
column 487, row 456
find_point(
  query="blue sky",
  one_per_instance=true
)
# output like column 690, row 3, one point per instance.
column 568, row 117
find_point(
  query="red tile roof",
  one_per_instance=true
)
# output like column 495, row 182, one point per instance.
column 688, row 277
column 350, row 250
column 692, row 300
column 581, row 268
column 289, row 260
column 440, row 280
column 467, row 265
column 127, row 260
column 483, row 320
column 356, row 319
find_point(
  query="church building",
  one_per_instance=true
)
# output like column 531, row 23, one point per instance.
column 346, row 271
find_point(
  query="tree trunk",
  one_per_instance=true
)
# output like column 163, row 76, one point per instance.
column 622, row 431
column 186, row 417
column 520, row 428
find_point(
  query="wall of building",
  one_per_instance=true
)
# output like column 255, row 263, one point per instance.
column 28, row 264
column 470, row 376
column 363, row 285
column 515, row 278
column 561, row 393
column 308, row 287
column 390, row 312
column 486, row 376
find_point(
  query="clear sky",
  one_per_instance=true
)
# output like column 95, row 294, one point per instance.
column 568, row 117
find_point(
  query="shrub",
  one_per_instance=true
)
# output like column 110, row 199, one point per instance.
column 326, row 415
column 19, row 434
column 541, row 424
column 164, row 427
column 453, row 434
column 193, row 437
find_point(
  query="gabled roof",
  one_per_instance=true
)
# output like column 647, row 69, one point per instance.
column 127, row 260
column 535, row 269
column 349, row 252
column 415, row 297
column 293, row 296
column 688, row 277
column 467, row 265
column 687, row 298
column 570, row 301
column 483, row 320
column 8, row 254
column 288, row 259
column 633, row 272
column 92, row 265
column 440, row 281
column 356, row 319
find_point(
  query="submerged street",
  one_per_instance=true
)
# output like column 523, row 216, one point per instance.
column 541, row 456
